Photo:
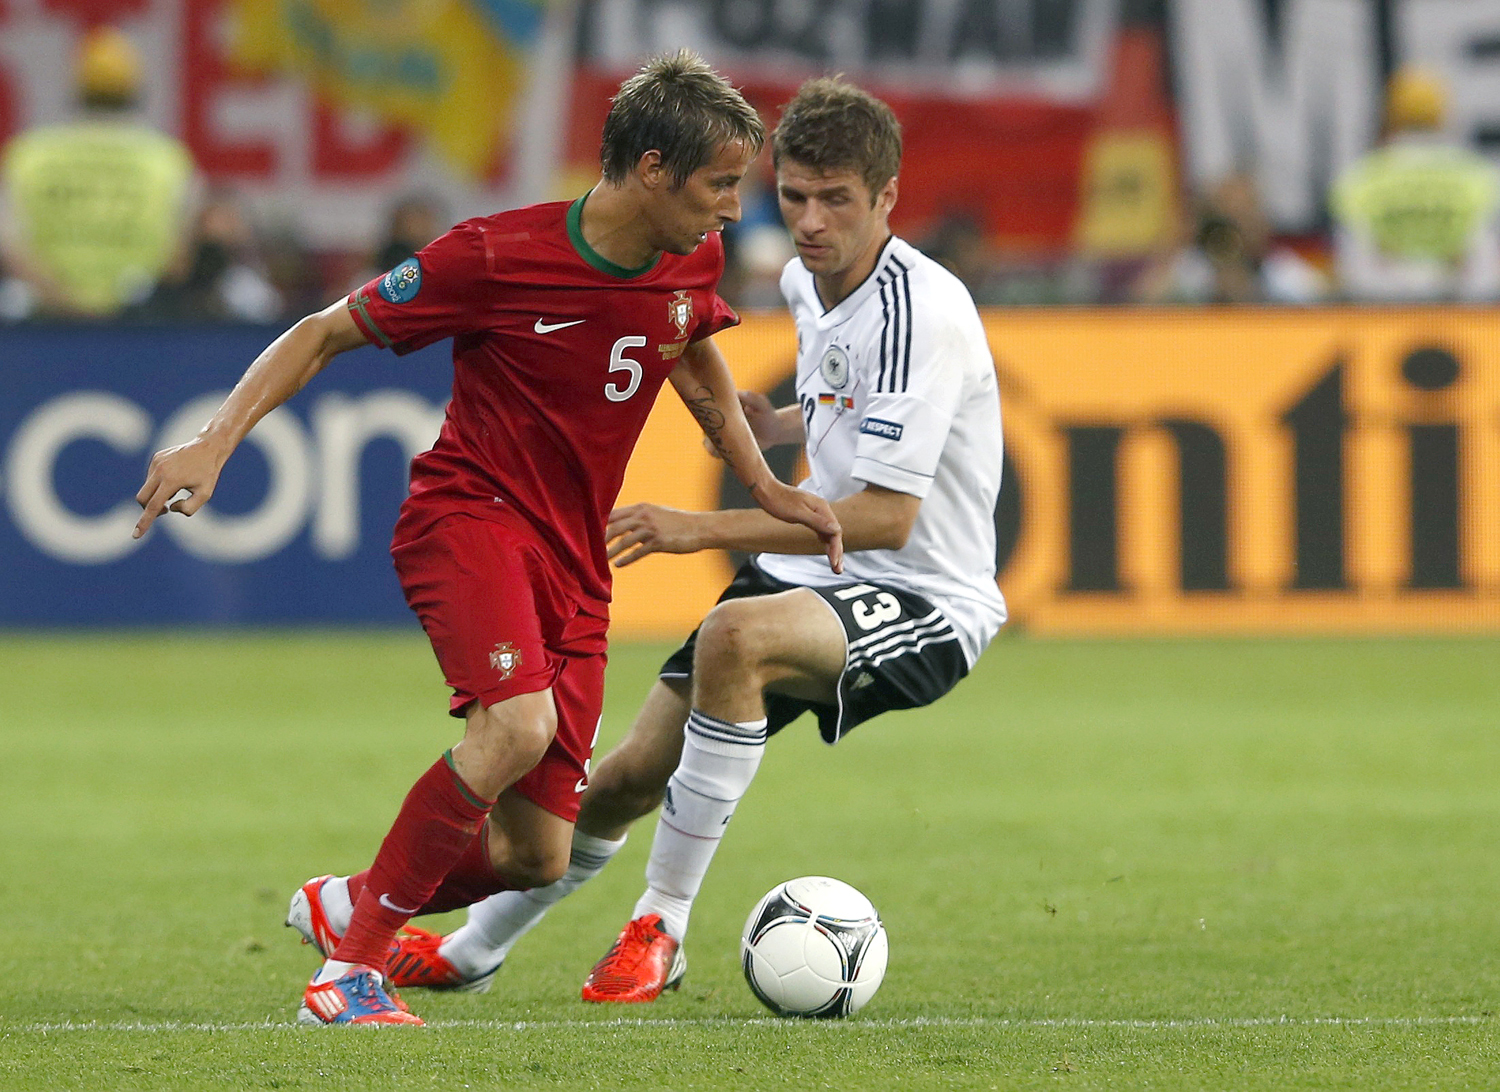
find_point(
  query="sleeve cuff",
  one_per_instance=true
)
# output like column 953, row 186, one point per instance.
column 887, row 476
column 373, row 334
column 709, row 329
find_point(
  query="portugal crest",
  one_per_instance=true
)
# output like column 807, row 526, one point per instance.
column 680, row 311
column 505, row 659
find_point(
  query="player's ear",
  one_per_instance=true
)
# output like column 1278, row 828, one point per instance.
column 885, row 201
column 649, row 169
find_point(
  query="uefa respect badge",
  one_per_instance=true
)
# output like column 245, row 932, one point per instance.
column 402, row 284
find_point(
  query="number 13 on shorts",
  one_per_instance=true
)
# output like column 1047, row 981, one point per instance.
column 879, row 608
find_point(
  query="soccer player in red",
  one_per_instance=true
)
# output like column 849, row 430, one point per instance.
column 566, row 319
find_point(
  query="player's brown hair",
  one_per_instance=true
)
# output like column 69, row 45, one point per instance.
column 679, row 106
column 831, row 125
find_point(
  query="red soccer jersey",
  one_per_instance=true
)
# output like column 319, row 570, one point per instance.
column 558, row 355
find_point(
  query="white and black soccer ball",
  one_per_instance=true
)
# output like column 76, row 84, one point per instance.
column 814, row 947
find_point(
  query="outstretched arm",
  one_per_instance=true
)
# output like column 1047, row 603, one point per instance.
column 703, row 382
column 875, row 518
column 279, row 372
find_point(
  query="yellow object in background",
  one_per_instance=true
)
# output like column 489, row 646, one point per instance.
column 98, row 207
column 107, row 65
column 452, row 69
column 1129, row 194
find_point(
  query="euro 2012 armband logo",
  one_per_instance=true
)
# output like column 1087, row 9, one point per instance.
column 402, row 284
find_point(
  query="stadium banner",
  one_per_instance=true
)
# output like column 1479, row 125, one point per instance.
column 447, row 69
column 1049, row 123
column 298, row 529
column 320, row 113
column 1217, row 471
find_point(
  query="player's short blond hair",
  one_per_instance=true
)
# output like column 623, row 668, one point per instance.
column 831, row 125
column 679, row 106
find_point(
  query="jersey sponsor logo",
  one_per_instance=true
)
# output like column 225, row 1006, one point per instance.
column 402, row 284
column 835, row 366
column 874, row 426
column 544, row 327
column 505, row 659
column 680, row 311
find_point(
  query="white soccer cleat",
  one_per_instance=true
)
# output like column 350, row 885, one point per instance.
column 307, row 915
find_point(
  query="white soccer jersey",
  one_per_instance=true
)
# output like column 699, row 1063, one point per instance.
column 897, row 388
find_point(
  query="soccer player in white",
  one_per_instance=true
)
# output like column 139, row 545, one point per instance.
column 899, row 411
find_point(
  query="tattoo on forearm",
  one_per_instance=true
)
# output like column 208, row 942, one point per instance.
column 705, row 408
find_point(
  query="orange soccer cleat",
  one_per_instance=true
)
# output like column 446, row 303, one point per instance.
column 644, row 960
column 357, row 997
column 307, row 915
column 417, row 962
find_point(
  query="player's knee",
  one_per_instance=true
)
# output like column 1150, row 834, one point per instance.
column 526, row 866
column 731, row 638
column 523, row 738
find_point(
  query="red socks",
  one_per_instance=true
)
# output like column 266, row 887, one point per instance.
column 437, row 823
column 472, row 878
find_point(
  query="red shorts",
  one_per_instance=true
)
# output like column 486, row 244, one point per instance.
column 505, row 619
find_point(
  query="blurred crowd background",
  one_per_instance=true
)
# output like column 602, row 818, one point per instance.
column 191, row 161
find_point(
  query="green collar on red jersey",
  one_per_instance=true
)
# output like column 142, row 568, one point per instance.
column 592, row 256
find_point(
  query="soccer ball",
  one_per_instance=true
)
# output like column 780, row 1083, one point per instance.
column 814, row 947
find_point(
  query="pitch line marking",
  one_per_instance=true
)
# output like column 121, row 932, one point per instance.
column 1206, row 1023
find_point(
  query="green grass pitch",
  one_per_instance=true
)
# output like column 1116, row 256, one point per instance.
column 1166, row 864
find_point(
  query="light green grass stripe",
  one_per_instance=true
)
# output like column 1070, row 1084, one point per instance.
column 772, row 1022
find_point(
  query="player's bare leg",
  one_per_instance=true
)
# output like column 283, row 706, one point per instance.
column 631, row 779
column 790, row 642
column 436, row 824
column 503, row 741
column 528, row 844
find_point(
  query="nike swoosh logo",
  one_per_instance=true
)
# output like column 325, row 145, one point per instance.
column 389, row 905
column 547, row 327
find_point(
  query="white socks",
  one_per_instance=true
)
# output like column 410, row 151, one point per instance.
column 719, row 760
column 331, row 969
column 482, row 943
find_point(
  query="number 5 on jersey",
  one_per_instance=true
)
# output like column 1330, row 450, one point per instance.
column 619, row 362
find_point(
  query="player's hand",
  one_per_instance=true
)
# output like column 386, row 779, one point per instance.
column 793, row 505
column 192, row 467
column 640, row 529
column 765, row 423
column 761, row 416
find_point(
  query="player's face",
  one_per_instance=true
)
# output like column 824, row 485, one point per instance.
column 682, row 216
column 837, row 229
